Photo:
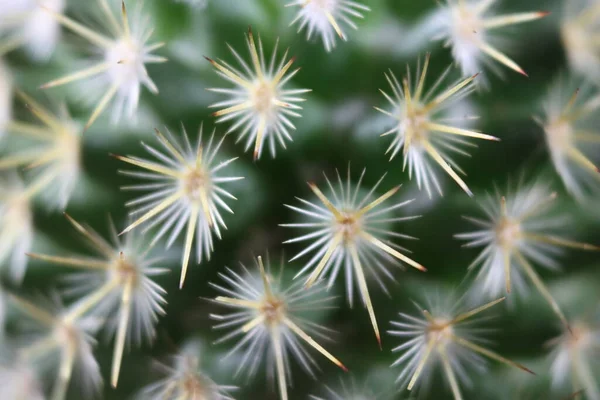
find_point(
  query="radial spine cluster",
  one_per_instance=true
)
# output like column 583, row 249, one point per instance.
column 259, row 104
column 349, row 233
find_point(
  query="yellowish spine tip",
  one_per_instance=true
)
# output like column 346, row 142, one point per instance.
column 542, row 14
column 210, row 60
column 587, row 246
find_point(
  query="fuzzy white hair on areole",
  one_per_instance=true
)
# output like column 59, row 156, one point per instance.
column 61, row 342
column 424, row 131
column 125, row 49
column 29, row 24
column 259, row 104
column 186, row 185
column 573, row 357
column 117, row 286
column 470, row 29
column 350, row 230
column 520, row 228
column 571, row 123
column 41, row 30
column 443, row 333
column 270, row 317
column 580, row 29
column 327, row 18
column 184, row 379
column 53, row 154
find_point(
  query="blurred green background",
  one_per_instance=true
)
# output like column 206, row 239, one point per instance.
column 338, row 126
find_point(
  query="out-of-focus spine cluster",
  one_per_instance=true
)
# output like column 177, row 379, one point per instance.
column 185, row 186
